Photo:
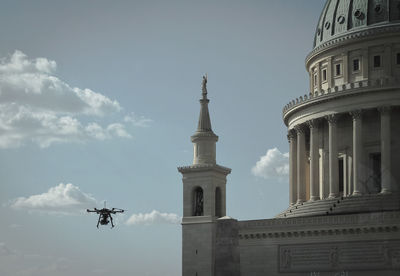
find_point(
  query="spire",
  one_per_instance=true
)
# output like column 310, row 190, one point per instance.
column 204, row 124
column 204, row 138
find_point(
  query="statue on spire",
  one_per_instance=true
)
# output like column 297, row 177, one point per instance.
column 204, row 86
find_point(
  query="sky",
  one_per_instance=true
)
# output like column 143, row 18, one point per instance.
column 98, row 100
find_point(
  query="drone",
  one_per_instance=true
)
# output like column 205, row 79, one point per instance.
column 105, row 214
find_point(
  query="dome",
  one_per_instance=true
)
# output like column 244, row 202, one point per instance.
column 342, row 17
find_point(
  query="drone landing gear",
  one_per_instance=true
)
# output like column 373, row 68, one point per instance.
column 112, row 224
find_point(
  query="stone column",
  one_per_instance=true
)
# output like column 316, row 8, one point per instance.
column 358, row 185
column 301, row 159
column 314, row 160
column 292, row 137
column 385, row 150
column 333, row 157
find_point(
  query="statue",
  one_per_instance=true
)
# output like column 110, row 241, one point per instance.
column 204, row 86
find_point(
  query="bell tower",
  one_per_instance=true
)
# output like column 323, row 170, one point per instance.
column 204, row 197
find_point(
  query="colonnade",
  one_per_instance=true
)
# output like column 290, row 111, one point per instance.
column 298, row 157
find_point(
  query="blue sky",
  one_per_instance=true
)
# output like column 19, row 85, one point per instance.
column 98, row 102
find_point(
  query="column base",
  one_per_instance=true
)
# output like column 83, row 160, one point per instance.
column 314, row 198
column 385, row 191
column 357, row 193
column 299, row 201
column 332, row 195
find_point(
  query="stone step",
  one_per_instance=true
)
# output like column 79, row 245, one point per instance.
column 363, row 203
column 311, row 213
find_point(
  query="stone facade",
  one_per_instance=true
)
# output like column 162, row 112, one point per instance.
column 343, row 216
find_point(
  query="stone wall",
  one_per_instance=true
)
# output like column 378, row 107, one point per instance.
column 359, row 244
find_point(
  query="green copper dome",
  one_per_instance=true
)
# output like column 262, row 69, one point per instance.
column 342, row 17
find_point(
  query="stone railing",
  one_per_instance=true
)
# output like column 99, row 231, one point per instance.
column 340, row 91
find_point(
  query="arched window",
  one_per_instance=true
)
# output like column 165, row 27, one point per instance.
column 198, row 202
column 218, row 203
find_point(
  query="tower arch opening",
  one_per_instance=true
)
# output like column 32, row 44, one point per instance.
column 198, row 202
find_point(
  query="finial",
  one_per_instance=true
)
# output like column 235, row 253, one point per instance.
column 204, row 86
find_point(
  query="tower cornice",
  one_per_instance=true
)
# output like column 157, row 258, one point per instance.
column 204, row 167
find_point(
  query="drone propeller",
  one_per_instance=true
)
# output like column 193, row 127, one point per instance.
column 117, row 210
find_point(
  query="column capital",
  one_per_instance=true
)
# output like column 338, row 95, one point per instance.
column 291, row 135
column 314, row 123
column 384, row 110
column 332, row 118
column 300, row 129
column 356, row 114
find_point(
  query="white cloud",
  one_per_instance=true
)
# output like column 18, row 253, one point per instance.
column 273, row 164
column 139, row 121
column 61, row 199
column 37, row 106
column 155, row 217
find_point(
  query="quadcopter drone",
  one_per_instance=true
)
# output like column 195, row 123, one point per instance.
column 105, row 214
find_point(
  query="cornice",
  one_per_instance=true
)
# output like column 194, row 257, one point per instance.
column 204, row 167
column 319, row 232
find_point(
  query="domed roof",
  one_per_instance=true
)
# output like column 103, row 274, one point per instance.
column 340, row 17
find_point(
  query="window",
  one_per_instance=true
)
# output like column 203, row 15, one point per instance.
column 198, row 209
column 377, row 61
column 356, row 64
column 398, row 58
column 338, row 70
column 324, row 75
